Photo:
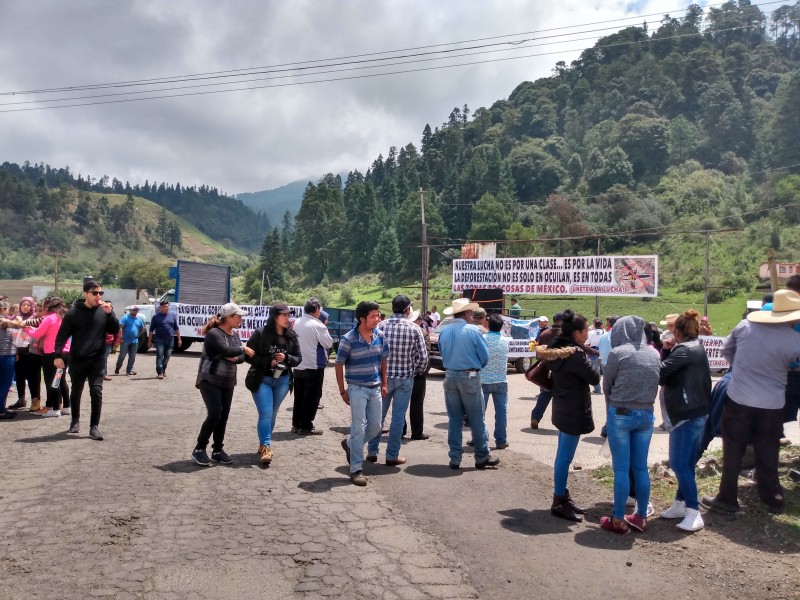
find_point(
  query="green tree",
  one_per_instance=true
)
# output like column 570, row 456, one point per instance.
column 491, row 218
column 175, row 236
column 272, row 260
column 386, row 259
column 785, row 127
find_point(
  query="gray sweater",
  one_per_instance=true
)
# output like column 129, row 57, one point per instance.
column 630, row 377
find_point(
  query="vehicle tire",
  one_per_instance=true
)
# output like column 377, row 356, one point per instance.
column 142, row 343
column 183, row 346
column 522, row 364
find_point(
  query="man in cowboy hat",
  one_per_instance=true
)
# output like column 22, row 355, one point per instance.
column 464, row 354
column 760, row 350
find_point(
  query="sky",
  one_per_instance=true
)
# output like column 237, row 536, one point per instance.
column 257, row 139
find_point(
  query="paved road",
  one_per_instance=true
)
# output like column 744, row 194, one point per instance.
column 132, row 517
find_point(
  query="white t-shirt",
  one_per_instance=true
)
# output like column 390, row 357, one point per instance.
column 594, row 337
column 435, row 318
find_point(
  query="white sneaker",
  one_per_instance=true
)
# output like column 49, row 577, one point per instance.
column 650, row 509
column 676, row 511
column 692, row 521
column 630, row 501
column 66, row 411
column 51, row 413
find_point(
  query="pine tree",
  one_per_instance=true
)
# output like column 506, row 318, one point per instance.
column 386, row 259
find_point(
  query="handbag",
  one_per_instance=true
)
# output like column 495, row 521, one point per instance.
column 37, row 346
column 539, row 375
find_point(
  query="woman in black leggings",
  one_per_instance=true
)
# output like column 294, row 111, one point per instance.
column 216, row 378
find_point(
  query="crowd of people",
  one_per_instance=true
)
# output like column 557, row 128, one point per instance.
column 381, row 365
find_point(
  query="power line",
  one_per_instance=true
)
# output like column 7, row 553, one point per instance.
column 363, row 57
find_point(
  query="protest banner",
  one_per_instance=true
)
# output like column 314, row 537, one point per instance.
column 561, row 276
column 713, row 346
column 192, row 318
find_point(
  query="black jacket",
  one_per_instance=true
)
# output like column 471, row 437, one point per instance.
column 88, row 328
column 572, row 374
column 267, row 344
column 686, row 379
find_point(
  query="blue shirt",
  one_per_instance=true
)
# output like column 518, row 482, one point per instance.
column 496, row 370
column 604, row 347
column 164, row 326
column 131, row 326
column 462, row 347
column 362, row 359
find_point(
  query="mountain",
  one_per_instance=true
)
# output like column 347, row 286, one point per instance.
column 276, row 201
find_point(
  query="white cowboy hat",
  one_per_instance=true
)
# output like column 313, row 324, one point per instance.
column 460, row 305
column 785, row 308
column 413, row 315
column 669, row 319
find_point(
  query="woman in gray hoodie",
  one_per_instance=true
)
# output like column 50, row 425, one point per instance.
column 630, row 384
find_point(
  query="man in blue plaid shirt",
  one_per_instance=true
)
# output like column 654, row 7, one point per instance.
column 408, row 358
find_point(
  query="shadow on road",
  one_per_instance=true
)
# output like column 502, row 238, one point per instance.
column 342, row 430
column 598, row 538
column 595, row 439
column 534, row 522
column 323, row 485
column 540, row 431
column 53, row 437
column 440, row 471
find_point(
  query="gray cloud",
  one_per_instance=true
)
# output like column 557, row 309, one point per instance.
column 252, row 140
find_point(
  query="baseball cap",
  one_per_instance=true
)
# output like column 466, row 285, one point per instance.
column 543, row 319
column 279, row 309
column 229, row 309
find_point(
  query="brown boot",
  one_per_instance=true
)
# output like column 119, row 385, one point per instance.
column 264, row 454
column 36, row 405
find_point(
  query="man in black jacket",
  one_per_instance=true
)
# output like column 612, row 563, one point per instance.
column 87, row 322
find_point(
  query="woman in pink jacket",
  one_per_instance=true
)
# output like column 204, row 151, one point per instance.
column 46, row 334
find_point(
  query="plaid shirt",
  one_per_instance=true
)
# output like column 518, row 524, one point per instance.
column 408, row 357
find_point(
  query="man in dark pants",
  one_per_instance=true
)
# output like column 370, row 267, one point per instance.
column 308, row 375
column 87, row 323
column 416, row 411
column 759, row 350
column 543, row 401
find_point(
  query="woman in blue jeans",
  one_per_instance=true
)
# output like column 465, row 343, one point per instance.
column 630, row 384
column 270, row 376
column 686, row 378
column 572, row 374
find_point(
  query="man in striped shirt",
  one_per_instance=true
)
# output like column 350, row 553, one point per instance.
column 408, row 358
column 361, row 361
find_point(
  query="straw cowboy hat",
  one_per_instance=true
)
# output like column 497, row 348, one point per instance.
column 785, row 308
column 669, row 319
column 459, row 306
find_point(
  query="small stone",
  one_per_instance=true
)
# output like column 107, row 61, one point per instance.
column 629, row 564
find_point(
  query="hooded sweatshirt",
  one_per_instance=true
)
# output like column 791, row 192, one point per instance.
column 630, row 377
column 88, row 328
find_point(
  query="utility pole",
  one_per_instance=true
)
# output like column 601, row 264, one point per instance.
column 705, row 287
column 55, row 286
column 426, row 252
column 261, row 297
column 773, row 270
column 597, row 298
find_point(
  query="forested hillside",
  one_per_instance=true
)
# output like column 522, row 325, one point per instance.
column 647, row 137
column 125, row 241
column 219, row 216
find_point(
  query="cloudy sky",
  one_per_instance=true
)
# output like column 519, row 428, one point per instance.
column 289, row 128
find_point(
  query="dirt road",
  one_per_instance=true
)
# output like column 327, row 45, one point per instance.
column 132, row 517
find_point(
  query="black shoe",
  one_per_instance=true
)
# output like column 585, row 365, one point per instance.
column 221, row 456
column 454, row 466
column 575, row 508
column 492, row 461
column 346, row 449
column 469, row 442
column 310, row 432
column 295, row 429
column 561, row 508
column 95, row 434
column 712, row 503
column 7, row 416
column 421, row 436
column 116, row 371
column 200, row 456
column 74, row 427
column 604, row 432
column 21, row 403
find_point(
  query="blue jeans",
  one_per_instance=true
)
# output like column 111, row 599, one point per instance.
column 542, row 402
column 127, row 349
column 499, row 394
column 268, row 400
column 106, row 354
column 683, row 444
column 365, row 414
column 399, row 391
column 567, row 444
column 163, row 352
column 463, row 397
column 6, row 378
column 629, row 440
